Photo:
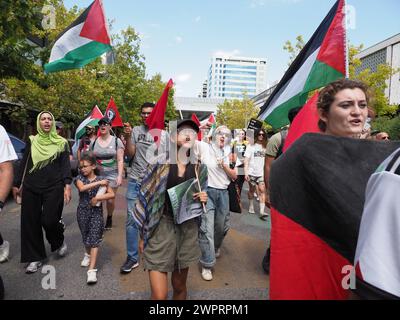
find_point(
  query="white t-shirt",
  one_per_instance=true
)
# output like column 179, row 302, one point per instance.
column 256, row 155
column 208, row 154
column 7, row 152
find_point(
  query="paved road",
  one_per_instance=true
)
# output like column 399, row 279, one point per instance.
column 237, row 276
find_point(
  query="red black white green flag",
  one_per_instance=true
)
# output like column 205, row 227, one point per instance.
column 82, row 42
column 321, row 61
column 317, row 194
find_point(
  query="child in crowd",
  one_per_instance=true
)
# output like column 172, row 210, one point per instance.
column 90, row 211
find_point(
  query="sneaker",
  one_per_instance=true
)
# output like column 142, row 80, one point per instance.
column 108, row 223
column 251, row 209
column 206, row 274
column 129, row 265
column 86, row 260
column 218, row 253
column 91, row 276
column 62, row 251
column 264, row 216
column 4, row 251
column 33, row 267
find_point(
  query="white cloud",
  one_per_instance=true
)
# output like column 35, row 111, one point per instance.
column 178, row 39
column 257, row 3
column 222, row 53
column 184, row 77
column 197, row 19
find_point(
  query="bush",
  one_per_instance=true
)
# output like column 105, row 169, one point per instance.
column 391, row 126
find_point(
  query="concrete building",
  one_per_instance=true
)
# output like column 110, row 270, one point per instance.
column 203, row 93
column 387, row 51
column 231, row 77
column 260, row 99
column 202, row 107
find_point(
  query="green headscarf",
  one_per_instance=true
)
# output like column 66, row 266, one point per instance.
column 46, row 146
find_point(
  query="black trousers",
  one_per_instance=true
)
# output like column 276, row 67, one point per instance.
column 240, row 181
column 1, row 240
column 41, row 210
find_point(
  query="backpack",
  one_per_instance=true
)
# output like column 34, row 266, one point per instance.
column 283, row 134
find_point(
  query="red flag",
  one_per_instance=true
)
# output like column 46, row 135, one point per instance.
column 156, row 120
column 197, row 121
column 113, row 114
column 95, row 26
column 305, row 121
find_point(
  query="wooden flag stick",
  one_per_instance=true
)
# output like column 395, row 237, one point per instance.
column 198, row 183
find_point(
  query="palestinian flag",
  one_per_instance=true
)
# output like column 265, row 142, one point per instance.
column 213, row 123
column 91, row 120
column 321, row 61
column 82, row 42
column 377, row 258
column 317, row 196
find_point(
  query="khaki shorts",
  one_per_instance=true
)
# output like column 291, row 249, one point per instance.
column 172, row 247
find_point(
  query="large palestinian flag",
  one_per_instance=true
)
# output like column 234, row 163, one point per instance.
column 317, row 191
column 82, row 42
column 321, row 61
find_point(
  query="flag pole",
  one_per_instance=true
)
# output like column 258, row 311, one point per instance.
column 198, row 184
column 346, row 43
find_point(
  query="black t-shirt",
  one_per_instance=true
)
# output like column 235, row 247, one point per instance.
column 173, row 180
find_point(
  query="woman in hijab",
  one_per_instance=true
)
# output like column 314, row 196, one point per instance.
column 44, row 182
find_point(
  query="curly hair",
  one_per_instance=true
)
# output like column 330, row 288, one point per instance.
column 327, row 95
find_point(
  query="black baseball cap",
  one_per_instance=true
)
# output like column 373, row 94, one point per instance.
column 188, row 122
column 104, row 120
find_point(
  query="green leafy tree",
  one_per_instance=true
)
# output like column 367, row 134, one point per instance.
column 376, row 81
column 236, row 113
column 18, row 20
column 71, row 94
column 294, row 50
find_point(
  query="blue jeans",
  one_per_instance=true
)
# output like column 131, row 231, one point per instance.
column 214, row 225
column 132, row 231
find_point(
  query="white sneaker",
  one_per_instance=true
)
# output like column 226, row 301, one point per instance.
column 206, row 274
column 62, row 251
column 86, row 260
column 264, row 216
column 251, row 209
column 33, row 267
column 4, row 251
column 218, row 253
column 91, row 276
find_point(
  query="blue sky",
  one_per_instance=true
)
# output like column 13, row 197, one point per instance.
column 179, row 37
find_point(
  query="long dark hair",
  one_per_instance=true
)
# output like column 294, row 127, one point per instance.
column 264, row 141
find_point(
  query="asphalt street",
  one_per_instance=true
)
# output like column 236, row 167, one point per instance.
column 237, row 275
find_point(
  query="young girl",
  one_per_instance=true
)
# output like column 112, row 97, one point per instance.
column 254, row 170
column 89, row 215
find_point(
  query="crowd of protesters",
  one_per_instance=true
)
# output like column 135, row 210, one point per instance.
column 153, row 234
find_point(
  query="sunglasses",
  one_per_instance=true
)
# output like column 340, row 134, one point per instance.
column 146, row 113
column 261, row 134
column 385, row 138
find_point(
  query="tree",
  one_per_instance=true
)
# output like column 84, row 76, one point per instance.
column 236, row 113
column 294, row 51
column 376, row 81
column 69, row 95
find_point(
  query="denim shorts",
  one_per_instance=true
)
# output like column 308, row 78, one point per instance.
column 172, row 247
